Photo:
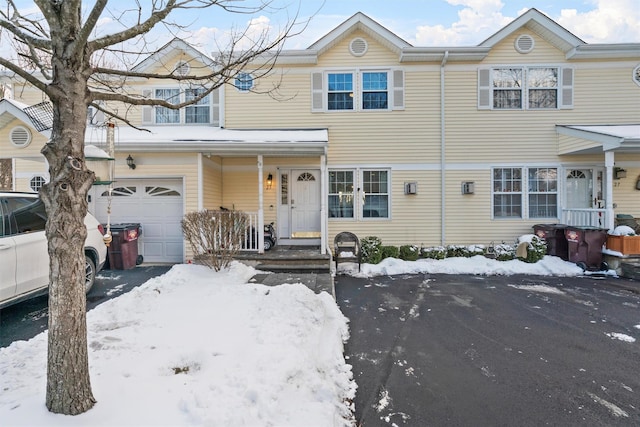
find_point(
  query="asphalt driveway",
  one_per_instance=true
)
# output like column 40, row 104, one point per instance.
column 506, row 350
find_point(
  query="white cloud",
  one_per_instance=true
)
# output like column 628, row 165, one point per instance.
column 610, row 21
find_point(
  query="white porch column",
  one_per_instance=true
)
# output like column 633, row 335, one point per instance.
column 260, row 226
column 323, row 204
column 609, row 161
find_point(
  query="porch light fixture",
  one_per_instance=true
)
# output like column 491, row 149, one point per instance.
column 619, row 173
column 130, row 162
column 269, row 181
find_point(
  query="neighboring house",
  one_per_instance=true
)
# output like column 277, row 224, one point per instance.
column 366, row 133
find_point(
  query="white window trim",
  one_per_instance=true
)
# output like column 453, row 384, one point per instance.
column 524, row 193
column 358, row 202
column 564, row 89
column 395, row 88
column 253, row 82
column 150, row 92
column 44, row 178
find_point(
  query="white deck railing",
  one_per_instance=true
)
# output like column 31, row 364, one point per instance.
column 585, row 217
column 250, row 238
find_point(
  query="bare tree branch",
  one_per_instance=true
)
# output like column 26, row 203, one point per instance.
column 24, row 74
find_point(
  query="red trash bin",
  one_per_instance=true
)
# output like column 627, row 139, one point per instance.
column 123, row 250
column 585, row 246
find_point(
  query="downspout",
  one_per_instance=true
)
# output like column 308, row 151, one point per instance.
column 443, row 209
column 324, row 223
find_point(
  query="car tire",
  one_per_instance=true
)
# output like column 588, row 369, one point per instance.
column 90, row 273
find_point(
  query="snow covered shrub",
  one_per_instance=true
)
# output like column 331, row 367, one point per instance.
column 409, row 252
column 390, row 252
column 474, row 250
column 215, row 236
column 505, row 252
column 371, row 249
column 457, row 251
column 437, row 252
column 536, row 250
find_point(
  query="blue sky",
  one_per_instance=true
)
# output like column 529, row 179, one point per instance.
column 420, row 22
column 459, row 22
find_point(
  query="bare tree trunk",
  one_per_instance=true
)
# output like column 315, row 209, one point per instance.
column 65, row 197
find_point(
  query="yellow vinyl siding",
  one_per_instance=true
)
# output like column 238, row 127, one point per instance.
column 25, row 169
column 211, row 182
column 543, row 52
column 625, row 195
column 8, row 150
column 340, row 56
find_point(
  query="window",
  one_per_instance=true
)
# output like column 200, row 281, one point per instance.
column 203, row 111
column 167, row 115
column 543, row 87
column 538, row 199
column 543, row 192
column 198, row 112
column 507, row 88
column 244, row 82
column 340, row 92
column 507, row 192
column 37, row 182
column 371, row 199
column 374, row 91
column 27, row 214
column 341, row 196
column 357, row 90
column 531, row 88
column 375, row 185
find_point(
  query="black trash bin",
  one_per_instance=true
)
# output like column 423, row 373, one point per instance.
column 585, row 246
column 555, row 237
column 123, row 250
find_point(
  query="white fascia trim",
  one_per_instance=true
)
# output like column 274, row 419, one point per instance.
column 605, row 51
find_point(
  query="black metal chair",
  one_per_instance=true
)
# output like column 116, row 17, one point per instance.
column 346, row 248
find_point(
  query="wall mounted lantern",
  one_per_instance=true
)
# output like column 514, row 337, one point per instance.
column 130, row 162
column 269, row 181
column 619, row 173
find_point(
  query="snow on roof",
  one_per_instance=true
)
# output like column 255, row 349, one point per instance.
column 213, row 139
column 619, row 131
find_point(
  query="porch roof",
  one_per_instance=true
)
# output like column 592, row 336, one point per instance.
column 588, row 139
column 219, row 141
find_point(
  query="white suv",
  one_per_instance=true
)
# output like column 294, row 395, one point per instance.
column 24, row 258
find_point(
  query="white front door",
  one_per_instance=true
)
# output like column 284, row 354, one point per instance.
column 584, row 188
column 305, row 203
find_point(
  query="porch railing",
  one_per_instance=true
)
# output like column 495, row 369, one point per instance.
column 585, row 217
column 250, row 238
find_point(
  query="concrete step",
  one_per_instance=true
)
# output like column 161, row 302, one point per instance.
column 295, row 268
column 631, row 269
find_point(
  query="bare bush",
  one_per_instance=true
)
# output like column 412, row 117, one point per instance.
column 215, row 236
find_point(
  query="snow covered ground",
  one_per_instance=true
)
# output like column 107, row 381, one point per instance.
column 196, row 347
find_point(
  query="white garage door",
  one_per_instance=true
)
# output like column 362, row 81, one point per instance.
column 157, row 204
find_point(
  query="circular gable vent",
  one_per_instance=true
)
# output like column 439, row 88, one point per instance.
column 358, row 47
column 20, row 136
column 524, row 43
column 636, row 75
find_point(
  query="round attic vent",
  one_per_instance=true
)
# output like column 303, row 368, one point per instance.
column 20, row 136
column 524, row 43
column 636, row 75
column 182, row 68
column 358, row 46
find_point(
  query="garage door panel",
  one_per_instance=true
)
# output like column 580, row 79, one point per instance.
column 157, row 204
